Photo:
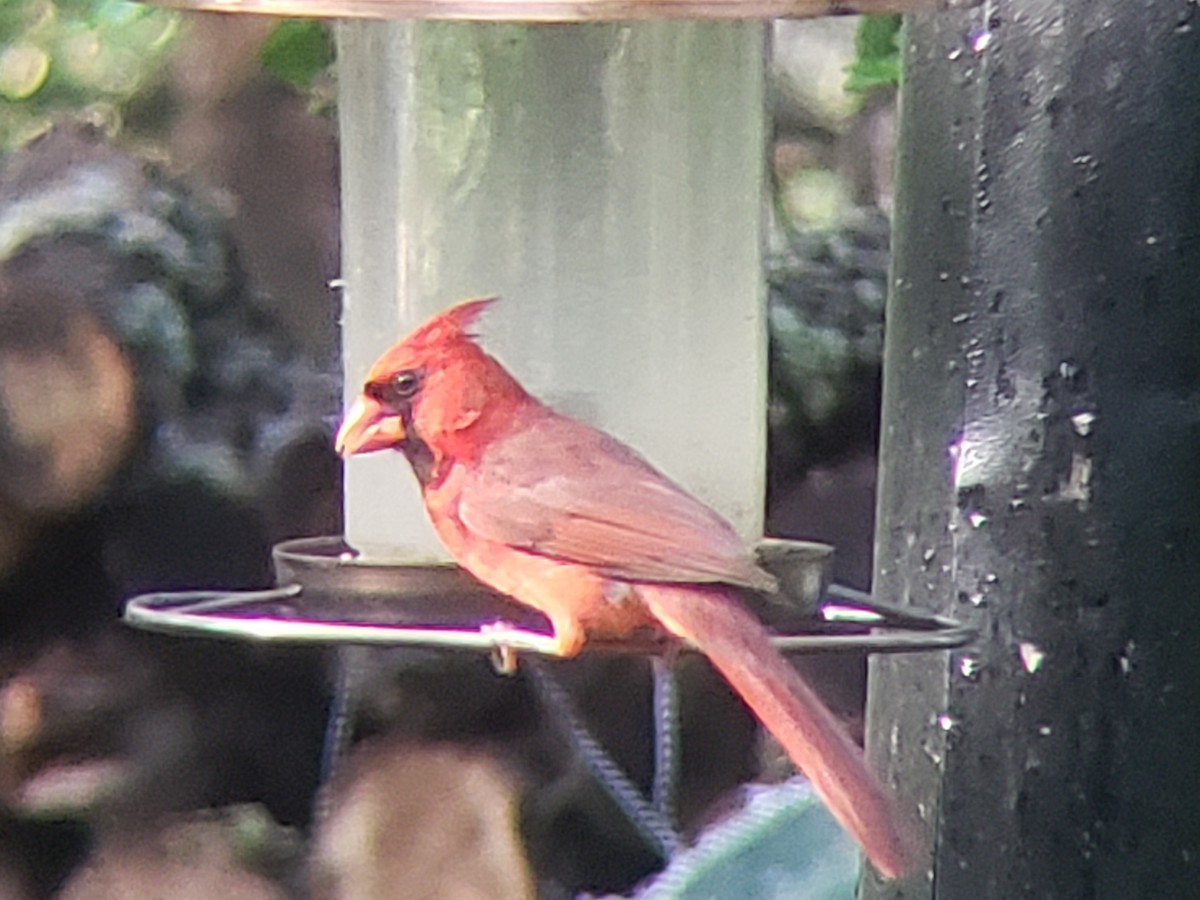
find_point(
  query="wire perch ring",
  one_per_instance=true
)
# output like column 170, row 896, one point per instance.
column 328, row 595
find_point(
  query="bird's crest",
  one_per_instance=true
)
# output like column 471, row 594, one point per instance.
column 449, row 325
column 432, row 338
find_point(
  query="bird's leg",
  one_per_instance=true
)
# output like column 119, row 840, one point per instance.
column 565, row 641
column 504, row 655
column 569, row 636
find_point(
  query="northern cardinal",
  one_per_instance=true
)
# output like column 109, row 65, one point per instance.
column 570, row 521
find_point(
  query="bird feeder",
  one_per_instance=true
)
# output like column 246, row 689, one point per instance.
column 602, row 171
column 605, row 177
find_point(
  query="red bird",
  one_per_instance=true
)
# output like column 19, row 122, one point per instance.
column 568, row 520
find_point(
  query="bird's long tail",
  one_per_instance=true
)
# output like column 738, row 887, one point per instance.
column 739, row 647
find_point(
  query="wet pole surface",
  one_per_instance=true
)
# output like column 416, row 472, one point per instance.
column 1041, row 450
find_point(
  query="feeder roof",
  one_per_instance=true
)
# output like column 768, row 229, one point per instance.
column 565, row 10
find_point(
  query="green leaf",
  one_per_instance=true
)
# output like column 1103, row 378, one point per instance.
column 782, row 844
column 297, row 51
column 877, row 54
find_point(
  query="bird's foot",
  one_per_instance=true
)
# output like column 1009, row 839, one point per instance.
column 504, row 655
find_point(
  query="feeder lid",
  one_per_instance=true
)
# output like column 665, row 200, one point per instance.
column 566, row 10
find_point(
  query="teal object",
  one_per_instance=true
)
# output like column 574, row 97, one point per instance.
column 782, row 846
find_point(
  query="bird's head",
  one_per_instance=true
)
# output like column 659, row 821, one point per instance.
column 423, row 395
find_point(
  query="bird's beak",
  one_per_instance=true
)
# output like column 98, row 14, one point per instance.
column 366, row 428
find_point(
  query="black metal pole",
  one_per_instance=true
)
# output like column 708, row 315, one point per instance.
column 1041, row 450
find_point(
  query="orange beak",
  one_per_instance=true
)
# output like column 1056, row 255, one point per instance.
column 367, row 428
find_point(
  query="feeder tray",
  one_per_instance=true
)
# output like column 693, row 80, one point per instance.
column 328, row 594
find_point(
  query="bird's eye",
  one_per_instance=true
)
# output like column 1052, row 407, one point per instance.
column 404, row 385
column 397, row 390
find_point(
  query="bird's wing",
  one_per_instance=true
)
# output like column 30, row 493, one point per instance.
column 564, row 490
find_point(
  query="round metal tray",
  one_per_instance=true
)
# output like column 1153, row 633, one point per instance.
column 328, row 594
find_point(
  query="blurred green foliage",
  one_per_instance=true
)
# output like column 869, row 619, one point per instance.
column 876, row 54
column 297, row 51
column 89, row 56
